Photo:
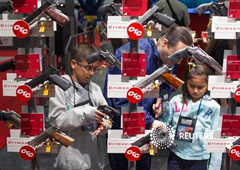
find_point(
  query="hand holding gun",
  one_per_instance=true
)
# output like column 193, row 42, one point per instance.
column 110, row 112
column 51, row 132
column 155, row 15
column 12, row 116
column 198, row 55
column 50, row 74
column 7, row 66
column 106, row 56
column 49, row 9
column 216, row 8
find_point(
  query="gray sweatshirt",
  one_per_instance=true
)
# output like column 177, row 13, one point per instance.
column 87, row 151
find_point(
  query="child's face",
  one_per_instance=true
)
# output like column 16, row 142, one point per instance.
column 84, row 71
column 197, row 87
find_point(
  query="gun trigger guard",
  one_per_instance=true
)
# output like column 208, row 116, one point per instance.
column 191, row 60
column 107, row 117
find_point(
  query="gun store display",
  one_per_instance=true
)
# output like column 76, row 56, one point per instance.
column 50, row 10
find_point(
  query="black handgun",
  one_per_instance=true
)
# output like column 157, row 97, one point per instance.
column 112, row 9
column 7, row 66
column 49, row 9
column 111, row 112
column 155, row 15
column 106, row 56
column 142, row 141
column 216, row 8
column 12, row 116
column 50, row 74
column 6, row 6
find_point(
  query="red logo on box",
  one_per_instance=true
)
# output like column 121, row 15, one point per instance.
column 24, row 6
column 21, row 29
column 24, row 93
column 133, row 153
column 32, row 124
column 27, row 66
column 233, row 67
column 134, row 95
column 230, row 125
column 134, row 64
column 233, row 9
column 27, row 152
column 135, row 31
column 234, row 153
column 133, row 123
column 237, row 95
column 134, row 7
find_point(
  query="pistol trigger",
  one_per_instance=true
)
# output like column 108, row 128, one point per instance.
column 48, row 147
column 45, row 91
column 10, row 125
column 42, row 28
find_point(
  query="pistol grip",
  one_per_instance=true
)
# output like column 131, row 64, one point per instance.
column 63, row 139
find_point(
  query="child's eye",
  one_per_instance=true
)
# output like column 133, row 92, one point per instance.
column 192, row 86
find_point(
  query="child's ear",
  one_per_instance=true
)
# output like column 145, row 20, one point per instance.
column 73, row 64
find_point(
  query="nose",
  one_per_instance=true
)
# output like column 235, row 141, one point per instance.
column 91, row 73
column 195, row 90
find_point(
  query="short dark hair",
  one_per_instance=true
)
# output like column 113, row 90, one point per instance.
column 82, row 51
column 176, row 34
column 198, row 70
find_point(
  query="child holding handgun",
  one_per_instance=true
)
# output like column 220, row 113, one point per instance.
column 76, row 111
column 191, row 114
